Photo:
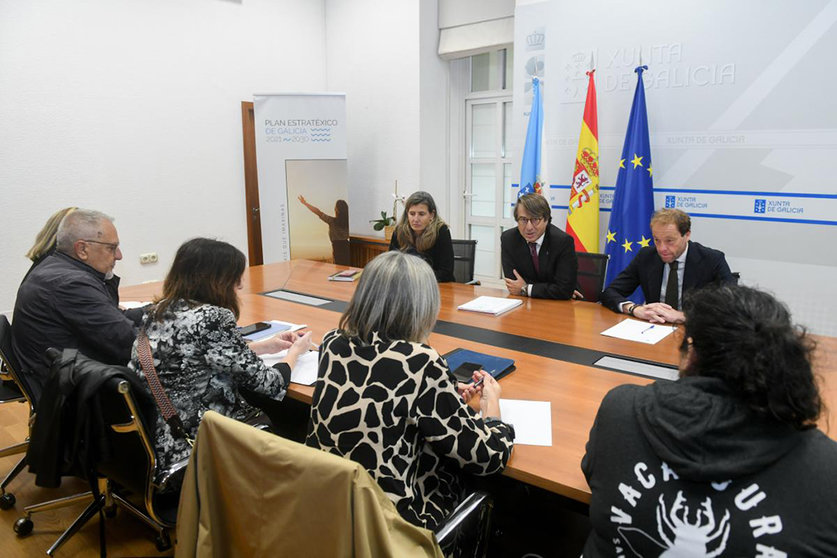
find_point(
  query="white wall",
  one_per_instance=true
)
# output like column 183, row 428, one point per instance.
column 383, row 56
column 133, row 107
column 740, row 116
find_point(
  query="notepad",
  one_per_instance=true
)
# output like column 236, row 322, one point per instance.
column 643, row 332
column 491, row 305
column 532, row 421
column 347, row 275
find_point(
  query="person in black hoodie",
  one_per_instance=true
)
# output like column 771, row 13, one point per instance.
column 726, row 461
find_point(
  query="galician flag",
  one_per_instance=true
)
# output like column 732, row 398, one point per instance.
column 530, row 166
column 583, row 212
column 633, row 201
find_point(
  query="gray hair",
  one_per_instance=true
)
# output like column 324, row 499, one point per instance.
column 81, row 224
column 397, row 297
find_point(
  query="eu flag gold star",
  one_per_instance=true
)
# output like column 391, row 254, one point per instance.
column 611, row 236
column 644, row 242
column 627, row 246
column 637, row 161
column 650, row 171
column 622, row 163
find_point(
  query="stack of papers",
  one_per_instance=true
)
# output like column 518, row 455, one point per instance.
column 304, row 371
column 635, row 330
column 348, row 275
column 491, row 305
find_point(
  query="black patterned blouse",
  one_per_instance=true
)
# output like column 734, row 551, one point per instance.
column 393, row 407
column 202, row 360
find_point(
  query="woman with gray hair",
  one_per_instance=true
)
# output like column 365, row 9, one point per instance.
column 421, row 232
column 388, row 401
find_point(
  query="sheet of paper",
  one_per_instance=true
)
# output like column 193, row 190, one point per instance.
column 532, row 421
column 130, row 304
column 491, row 304
column 305, row 370
column 276, row 326
column 643, row 332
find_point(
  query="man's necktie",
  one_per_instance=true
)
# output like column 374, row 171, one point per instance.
column 672, row 286
column 533, row 249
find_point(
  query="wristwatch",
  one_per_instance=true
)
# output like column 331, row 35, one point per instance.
column 524, row 290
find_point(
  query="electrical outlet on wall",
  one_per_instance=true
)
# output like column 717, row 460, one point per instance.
column 149, row 258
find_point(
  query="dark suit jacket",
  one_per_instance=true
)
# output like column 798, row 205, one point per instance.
column 440, row 255
column 703, row 266
column 557, row 262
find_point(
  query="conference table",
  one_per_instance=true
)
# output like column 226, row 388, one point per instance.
column 555, row 346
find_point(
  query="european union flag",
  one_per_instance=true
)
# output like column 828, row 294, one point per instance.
column 633, row 201
column 530, row 166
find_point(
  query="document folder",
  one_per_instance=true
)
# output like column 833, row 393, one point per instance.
column 463, row 362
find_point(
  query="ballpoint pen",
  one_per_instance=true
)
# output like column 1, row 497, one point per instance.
column 646, row 329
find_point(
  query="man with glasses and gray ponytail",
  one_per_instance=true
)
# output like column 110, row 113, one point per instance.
column 538, row 258
column 71, row 299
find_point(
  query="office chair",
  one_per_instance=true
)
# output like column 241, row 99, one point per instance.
column 321, row 504
column 13, row 389
column 592, row 269
column 464, row 253
column 125, row 467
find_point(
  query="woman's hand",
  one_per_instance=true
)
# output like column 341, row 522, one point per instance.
column 489, row 396
column 466, row 391
column 299, row 347
column 274, row 343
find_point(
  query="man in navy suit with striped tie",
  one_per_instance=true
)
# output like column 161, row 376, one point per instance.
column 538, row 258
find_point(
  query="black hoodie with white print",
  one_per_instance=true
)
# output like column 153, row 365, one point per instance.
column 684, row 469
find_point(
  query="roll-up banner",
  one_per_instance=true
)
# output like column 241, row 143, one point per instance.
column 303, row 186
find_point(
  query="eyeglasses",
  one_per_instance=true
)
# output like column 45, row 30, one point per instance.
column 112, row 246
column 525, row 221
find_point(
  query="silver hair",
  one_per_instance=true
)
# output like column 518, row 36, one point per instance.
column 397, row 297
column 81, row 224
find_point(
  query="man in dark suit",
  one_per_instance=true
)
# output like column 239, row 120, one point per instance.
column 672, row 267
column 538, row 258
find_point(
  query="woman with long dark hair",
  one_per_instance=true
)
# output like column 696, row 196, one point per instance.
column 727, row 460
column 200, row 357
column 421, row 232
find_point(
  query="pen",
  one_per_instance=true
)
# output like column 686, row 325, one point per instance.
column 646, row 329
column 479, row 382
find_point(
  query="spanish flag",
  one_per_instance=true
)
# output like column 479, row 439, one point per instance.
column 583, row 212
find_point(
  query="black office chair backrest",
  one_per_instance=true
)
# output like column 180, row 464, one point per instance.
column 10, row 364
column 592, row 269
column 464, row 252
column 131, row 457
column 131, row 460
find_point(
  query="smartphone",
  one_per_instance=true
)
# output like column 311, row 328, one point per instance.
column 253, row 328
column 465, row 371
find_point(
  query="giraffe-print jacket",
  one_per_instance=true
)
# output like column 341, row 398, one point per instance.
column 392, row 406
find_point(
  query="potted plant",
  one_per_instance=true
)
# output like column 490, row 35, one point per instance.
column 387, row 222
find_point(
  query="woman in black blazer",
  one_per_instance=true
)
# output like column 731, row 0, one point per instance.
column 421, row 232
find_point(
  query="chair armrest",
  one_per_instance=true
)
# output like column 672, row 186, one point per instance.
column 468, row 525
column 175, row 472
